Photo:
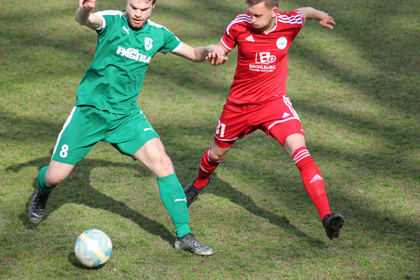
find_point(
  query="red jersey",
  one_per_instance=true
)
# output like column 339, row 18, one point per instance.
column 261, row 72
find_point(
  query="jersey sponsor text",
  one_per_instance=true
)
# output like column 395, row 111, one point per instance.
column 134, row 54
column 262, row 68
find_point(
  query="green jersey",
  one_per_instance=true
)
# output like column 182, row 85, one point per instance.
column 115, row 77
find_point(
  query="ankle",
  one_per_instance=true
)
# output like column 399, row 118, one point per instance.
column 199, row 184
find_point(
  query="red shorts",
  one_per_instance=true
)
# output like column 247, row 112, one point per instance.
column 277, row 118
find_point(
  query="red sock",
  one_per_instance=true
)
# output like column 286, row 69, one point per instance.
column 207, row 166
column 312, row 179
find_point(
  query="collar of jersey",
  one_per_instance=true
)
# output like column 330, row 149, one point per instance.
column 274, row 28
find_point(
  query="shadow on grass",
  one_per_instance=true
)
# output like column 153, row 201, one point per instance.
column 221, row 188
column 75, row 262
column 361, row 215
column 85, row 194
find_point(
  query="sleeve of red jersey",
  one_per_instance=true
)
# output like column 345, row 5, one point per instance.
column 294, row 18
column 229, row 39
column 297, row 16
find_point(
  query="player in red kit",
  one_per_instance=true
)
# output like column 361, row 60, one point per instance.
column 258, row 99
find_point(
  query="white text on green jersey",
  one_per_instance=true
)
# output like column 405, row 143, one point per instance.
column 134, row 54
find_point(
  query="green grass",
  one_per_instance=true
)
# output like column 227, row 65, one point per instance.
column 355, row 89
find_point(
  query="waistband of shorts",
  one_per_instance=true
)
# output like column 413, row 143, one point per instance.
column 228, row 102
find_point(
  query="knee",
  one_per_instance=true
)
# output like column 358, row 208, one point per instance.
column 216, row 155
column 165, row 162
column 294, row 142
column 163, row 166
column 54, row 179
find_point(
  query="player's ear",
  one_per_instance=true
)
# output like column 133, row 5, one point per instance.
column 274, row 11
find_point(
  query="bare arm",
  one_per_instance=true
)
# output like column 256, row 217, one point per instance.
column 323, row 18
column 199, row 54
column 84, row 15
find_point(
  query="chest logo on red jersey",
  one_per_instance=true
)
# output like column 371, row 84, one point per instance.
column 250, row 38
column 265, row 58
column 261, row 60
column 281, row 43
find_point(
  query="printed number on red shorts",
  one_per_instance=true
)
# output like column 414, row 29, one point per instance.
column 220, row 130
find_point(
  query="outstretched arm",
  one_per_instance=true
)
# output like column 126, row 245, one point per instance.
column 323, row 18
column 199, row 54
column 84, row 15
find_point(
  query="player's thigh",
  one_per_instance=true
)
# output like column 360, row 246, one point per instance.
column 81, row 131
column 152, row 154
column 280, row 120
column 232, row 125
column 281, row 131
column 128, row 133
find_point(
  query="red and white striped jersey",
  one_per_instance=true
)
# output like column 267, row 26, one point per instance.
column 261, row 72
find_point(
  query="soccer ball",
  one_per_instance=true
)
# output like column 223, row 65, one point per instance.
column 93, row 248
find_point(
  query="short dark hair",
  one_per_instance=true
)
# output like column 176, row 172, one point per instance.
column 268, row 3
column 153, row 1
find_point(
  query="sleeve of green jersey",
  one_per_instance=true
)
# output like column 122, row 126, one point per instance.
column 171, row 41
column 109, row 17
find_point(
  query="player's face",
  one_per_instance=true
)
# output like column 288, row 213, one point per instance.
column 138, row 12
column 262, row 18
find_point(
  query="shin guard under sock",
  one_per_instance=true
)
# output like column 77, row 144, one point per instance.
column 43, row 187
column 207, row 166
column 175, row 202
column 312, row 180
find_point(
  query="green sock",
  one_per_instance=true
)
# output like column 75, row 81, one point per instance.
column 43, row 188
column 175, row 202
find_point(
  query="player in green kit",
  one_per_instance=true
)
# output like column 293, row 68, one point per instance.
column 106, row 108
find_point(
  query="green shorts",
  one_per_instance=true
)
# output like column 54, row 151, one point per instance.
column 87, row 125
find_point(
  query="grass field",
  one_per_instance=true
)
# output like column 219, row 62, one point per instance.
column 356, row 89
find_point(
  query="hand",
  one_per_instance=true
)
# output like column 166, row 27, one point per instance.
column 324, row 20
column 87, row 4
column 217, row 56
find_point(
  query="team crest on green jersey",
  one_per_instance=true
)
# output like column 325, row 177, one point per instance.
column 148, row 43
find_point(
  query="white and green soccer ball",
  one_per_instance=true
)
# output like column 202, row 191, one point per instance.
column 93, row 248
